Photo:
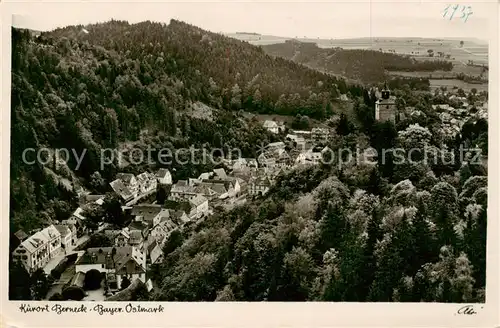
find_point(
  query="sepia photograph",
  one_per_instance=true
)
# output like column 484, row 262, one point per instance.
column 246, row 153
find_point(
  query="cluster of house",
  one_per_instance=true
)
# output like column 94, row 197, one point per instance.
column 140, row 244
column 452, row 119
column 135, row 247
column 307, row 147
column 317, row 134
column 133, row 188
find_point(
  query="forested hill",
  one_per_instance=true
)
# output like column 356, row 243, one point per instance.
column 367, row 66
column 213, row 68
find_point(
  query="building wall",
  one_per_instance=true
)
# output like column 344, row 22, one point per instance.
column 385, row 112
column 165, row 180
column 131, row 277
column 55, row 246
column 203, row 208
column 87, row 267
column 255, row 189
column 121, row 241
column 67, row 241
column 273, row 130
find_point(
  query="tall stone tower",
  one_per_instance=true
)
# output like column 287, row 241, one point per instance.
column 385, row 106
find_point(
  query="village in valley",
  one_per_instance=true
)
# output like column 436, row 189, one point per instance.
column 154, row 205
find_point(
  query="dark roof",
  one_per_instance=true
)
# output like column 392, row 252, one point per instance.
column 390, row 101
column 63, row 230
column 177, row 214
column 126, row 294
column 151, row 246
column 137, row 225
column 174, row 205
column 147, row 211
column 198, row 200
column 21, row 235
column 226, row 183
column 135, row 237
column 125, row 177
column 162, row 173
column 221, row 173
column 121, row 189
column 78, row 279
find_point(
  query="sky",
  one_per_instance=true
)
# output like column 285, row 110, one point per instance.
column 332, row 19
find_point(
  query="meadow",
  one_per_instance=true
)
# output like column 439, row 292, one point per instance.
column 459, row 55
column 449, row 84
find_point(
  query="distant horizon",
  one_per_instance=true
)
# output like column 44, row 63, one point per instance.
column 269, row 34
column 323, row 20
column 362, row 37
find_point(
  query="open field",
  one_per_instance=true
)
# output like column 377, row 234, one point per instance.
column 418, row 48
column 459, row 55
column 436, row 83
column 258, row 40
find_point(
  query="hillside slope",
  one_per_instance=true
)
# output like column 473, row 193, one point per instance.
column 367, row 66
column 214, row 68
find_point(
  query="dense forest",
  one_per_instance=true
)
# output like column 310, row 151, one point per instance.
column 368, row 66
column 384, row 232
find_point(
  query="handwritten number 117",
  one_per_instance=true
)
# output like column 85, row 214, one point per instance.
column 451, row 10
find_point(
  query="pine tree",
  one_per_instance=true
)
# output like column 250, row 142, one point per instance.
column 369, row 260
column 445, row 233
column 375, row 182
column 475, row 247
column 333, row 227
column 394, row 263
column 425, row 249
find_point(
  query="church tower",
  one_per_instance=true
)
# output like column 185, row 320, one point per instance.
column 385, row 106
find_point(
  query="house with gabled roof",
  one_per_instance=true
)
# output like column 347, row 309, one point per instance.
column 199, row 206
column 163, row 177
column 148, row 213
column 244, row 164
column 182, row 191
column 122, row 190
column 220, row 174
column 37, row 250
column 299, row 141
column 179, row 216
column 266, row 160
column 271, row 126
column 259, row 186
column 147, row 182
column 122, row 238
column 67, row 236
column 129, row 180
column 155, row 253
column 141, row 226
